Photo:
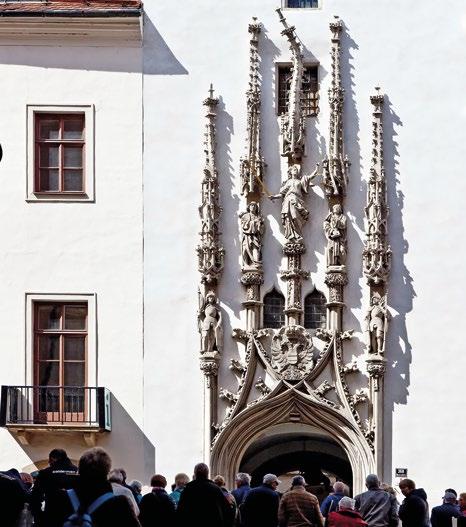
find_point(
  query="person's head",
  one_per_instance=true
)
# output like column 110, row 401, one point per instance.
column 94, row 464
column 375, row 299
column 210, row 299
column 271, row 480
column 298, row 481
column 339, row 487
column 123, row 473
column 407, row 486
column 453, row 491
column 253, row 207
column 136, row 486
column 157, row 480
column 58, row 456
column 181, row 480
column 449, row 497
column 387, row 488
column 337, row 209
column 346, row 503
column 372, row 481
column 219, row 481
column 115, row 476
column 201, row 471
column 462, row 501
column 242, row 478
column 293, row 171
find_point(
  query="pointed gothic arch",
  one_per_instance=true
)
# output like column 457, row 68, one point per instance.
column 274, row 309
column 315, row 310
column 286, row 405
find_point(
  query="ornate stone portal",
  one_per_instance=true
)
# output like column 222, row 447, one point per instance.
column 290, row 374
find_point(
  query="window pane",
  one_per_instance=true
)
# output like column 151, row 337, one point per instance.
column 49, row 400
column 74, row 348
column 73, row 180
column 48, row 180
column 73, row 129
column 74, row 374
column 74, row 402
column 49, row 347
column 73, row 156
column 49, row 374
column 49, row 316
column 49, row 129
column 49, row 156
column 75, row 317
column 274, row 305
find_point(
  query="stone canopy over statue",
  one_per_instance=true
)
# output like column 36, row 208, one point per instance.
column 294, row 212
column 210, row 324
column 335, row 231
column 252, row 230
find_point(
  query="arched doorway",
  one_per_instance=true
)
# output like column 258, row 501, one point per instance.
column 292, row 432
column 289, row 449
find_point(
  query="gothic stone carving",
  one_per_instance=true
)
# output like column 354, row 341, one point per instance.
column 252, row 230
column 210, row 325
column 252, row 166
column 292, row 352
column 335, row 231
column 376, row 325
column 294, row 212
column 210, row 252
column 293, row 123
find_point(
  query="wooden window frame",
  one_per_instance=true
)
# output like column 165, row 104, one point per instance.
column 60, row 143
column 311, row 101
column 87, row 195
column 61, row 415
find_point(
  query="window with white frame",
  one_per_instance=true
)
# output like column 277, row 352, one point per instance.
column 60, row 164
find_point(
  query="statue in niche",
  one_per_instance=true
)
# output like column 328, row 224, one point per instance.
column 335, row 231
column 376, row 325
column 294, row 211
column 210, row 324
column 252, row 229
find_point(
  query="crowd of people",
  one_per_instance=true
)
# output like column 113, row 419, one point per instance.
column 94, row 494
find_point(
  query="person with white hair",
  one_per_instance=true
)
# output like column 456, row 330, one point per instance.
column 377, row 507
column 243, row 486
column 345, row 516
column 116, row 479
column 299, row 508
column 260, row 508
column 330, row 503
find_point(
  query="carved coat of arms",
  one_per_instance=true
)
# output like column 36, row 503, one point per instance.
column 292, row 352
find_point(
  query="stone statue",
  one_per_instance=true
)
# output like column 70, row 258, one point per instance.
column 294, row 211
column 335, row 230
column 376, row 325
column 210, row 324
column 252, row 229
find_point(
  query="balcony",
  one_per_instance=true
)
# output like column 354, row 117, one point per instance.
column 28, row 410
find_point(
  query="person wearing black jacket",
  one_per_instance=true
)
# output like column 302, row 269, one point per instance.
column 13, row 496
column 202, row 502
column 157, row 508
column 260, row 508
column 413, row 510
column 91, row 483
column 60, row 474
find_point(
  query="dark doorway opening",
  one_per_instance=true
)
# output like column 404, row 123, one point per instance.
column 318, row 457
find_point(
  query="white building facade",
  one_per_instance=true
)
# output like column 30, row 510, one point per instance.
column 297, row 371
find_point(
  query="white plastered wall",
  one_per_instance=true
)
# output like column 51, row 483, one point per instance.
column 77, row 248
column 415, row 53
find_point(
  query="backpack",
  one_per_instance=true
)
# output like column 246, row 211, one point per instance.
column 81, row 518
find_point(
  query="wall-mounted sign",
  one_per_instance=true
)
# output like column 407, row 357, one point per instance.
column 401, row 473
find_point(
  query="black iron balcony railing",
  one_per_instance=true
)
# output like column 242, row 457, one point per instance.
column 57, row 406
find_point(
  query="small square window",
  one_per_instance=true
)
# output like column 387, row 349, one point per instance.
column 310, row 89
column 60, row 153
column 303, row 4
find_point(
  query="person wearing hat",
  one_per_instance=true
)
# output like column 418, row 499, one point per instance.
column 260, row 508
column 157, row 508
column 299, row 508
column 442, row 514
column 413, row 511
column 346, row 516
